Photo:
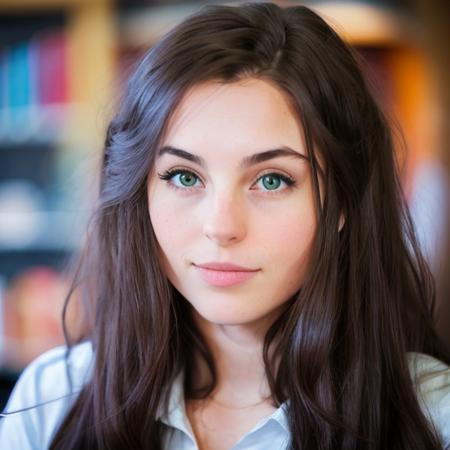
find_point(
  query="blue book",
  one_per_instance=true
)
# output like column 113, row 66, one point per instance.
column 18, row 82
column 2, row 79
column 4, row 118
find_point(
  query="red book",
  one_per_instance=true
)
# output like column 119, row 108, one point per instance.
column 52, row 68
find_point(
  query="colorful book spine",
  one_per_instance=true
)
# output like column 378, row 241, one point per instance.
column 18, row 81
column 52, row 69
column 33, row 84
column 4, row 118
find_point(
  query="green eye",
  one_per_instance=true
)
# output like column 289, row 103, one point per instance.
column 187, row 179
column 271, row 182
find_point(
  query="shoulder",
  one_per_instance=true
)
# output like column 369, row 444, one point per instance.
column 431, row 378
column 45, row 390
column 55, row 372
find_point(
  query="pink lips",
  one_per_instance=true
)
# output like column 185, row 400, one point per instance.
column 224, row 274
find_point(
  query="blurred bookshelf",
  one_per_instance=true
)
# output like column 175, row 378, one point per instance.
column 62, row 67
column 56, row 85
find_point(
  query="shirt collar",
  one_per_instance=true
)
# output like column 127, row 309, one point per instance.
column 175, row 416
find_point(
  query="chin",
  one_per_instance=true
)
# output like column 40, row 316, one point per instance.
column 227, row 316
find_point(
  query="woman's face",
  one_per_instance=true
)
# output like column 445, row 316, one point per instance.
column 221, row 206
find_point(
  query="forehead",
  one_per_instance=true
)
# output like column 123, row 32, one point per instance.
column 248, row 114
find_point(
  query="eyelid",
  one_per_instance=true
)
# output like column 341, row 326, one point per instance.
column 172, row 172
column 274, row 171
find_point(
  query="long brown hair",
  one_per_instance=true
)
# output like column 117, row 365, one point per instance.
column 366, row 301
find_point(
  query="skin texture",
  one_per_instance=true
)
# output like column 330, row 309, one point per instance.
column 226, row 213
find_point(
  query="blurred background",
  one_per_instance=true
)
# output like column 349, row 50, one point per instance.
column 62, row 68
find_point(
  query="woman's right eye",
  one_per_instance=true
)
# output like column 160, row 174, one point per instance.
column 186, row 178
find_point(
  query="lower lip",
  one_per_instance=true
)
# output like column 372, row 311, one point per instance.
column 224, row 278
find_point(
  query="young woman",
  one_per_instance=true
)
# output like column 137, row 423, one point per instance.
column 252, row 279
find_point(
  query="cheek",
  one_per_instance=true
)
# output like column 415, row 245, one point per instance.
column 160, row 219
column 287, row 244
column 172, row 226
column 290, row 230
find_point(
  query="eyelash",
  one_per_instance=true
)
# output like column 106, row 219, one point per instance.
column 169, row 174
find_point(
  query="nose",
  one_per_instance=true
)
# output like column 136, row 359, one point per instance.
column 224, row 221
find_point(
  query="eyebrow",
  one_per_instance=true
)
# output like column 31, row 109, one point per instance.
column 246, row 162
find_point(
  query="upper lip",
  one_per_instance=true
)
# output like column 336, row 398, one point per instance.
column 216, row 265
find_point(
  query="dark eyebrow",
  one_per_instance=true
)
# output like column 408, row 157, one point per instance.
column 245, row 163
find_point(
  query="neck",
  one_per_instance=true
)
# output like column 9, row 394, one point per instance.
column 237, row 352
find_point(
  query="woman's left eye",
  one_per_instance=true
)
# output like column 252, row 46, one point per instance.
column 272, row 181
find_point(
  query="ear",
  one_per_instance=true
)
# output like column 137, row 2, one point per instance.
column 341, row 222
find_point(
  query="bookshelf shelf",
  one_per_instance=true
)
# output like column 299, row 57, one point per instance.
column 361, row 24
column 367, row 25
column 36, row 256
column 8, row 6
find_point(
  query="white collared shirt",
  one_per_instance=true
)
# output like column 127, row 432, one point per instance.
column 45, row 381
column 270, row 433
